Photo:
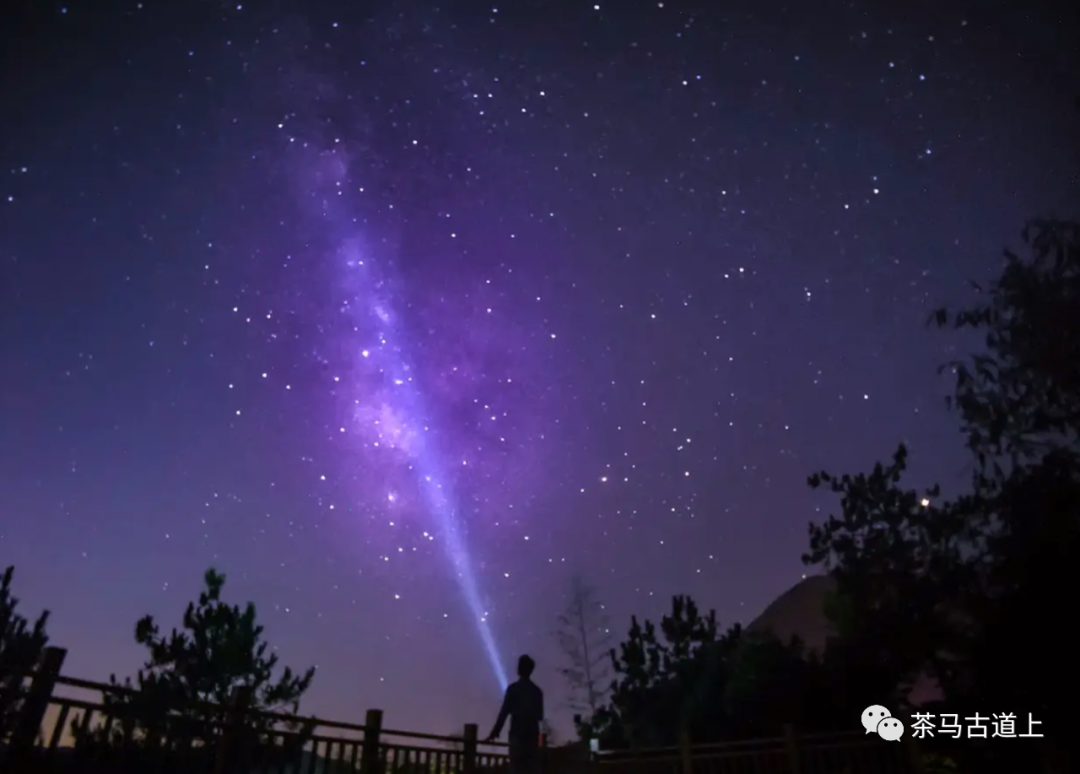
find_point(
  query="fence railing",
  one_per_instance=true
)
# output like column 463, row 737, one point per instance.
column 845, row 753
column 78, row 726
column 68, row 724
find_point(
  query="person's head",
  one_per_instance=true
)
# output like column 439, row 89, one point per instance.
column 526, row 666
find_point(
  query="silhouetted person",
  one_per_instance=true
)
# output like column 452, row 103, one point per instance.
column 524, row 705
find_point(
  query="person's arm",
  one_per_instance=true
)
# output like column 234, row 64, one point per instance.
column 504, row 713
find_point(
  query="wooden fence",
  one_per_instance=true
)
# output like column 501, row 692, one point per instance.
column 51, row 737
column 55, row 733
column 846, row 753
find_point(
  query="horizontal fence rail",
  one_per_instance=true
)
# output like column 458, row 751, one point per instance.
column 83, row 727
column 790, row 754
column 71, row 726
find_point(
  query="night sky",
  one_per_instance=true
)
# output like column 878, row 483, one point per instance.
column 401, row 313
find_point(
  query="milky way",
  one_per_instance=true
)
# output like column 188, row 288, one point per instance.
column 397, row 442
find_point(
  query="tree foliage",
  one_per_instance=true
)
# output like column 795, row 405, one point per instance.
column 194, row 674
column 585, row 641
column 896, row 557
column 962, row 589
column 659, row 678
column 1020, row 399
column 684, row 679
column 22, row 647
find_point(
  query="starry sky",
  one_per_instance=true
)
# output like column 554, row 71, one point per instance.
column 402, row 313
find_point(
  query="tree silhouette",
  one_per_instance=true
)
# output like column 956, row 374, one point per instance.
column 21, row 649
column 896, row 556
column 196, row 672
column 770, row 683
column 662, row 682
column 1020, row 400
column 959, row 588
column 585, row 640
column 685, row 681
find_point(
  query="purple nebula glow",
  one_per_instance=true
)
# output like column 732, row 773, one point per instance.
column 391, row 413
column 423, row 456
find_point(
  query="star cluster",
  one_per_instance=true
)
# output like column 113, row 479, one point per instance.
column 401, row 316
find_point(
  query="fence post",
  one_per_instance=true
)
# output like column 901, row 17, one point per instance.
column 686, row 753
column 468, row 758
column 231, row 744
column 370, row 760
column 34, row 706
column 791, row 745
